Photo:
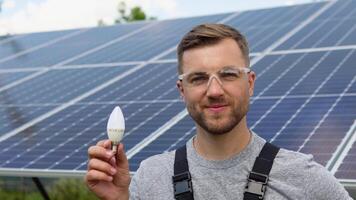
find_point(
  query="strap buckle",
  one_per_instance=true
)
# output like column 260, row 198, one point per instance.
column 182, row 184
column 256, row 184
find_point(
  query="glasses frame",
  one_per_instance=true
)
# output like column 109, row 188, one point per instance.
column 245, row 70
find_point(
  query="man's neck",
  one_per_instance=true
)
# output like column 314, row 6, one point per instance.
column 224, row 146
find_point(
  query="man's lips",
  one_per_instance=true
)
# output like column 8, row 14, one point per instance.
column 216, row 107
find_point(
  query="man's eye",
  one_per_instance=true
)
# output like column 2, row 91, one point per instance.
column 229, row 75
column 197, row 79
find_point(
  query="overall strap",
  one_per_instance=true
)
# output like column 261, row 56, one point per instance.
column 258, row 177
column 182, row 181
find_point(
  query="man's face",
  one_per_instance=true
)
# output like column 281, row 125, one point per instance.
column 219, row 106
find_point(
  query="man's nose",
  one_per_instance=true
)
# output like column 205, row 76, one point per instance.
column 214, row 87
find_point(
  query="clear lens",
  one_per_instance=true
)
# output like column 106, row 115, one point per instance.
column 225, row 75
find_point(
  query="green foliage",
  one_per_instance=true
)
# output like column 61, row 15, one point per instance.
column 61, row 189
column 70, row 189
column 16, row 195
column 136, row 14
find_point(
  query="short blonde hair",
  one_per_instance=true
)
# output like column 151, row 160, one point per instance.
column 209, row 34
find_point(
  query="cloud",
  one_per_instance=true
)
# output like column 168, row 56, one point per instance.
column 56, row 15
column 290, row 3
column 67, row 14
column 165, row 8
column 9, row 4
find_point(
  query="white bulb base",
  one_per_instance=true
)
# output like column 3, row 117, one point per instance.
column 114, row 147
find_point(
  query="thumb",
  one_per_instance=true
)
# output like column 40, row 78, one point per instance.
column 121, row 158
column 122, row 177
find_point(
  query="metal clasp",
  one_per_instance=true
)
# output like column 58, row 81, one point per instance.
column 257, row 187
column 182, row 184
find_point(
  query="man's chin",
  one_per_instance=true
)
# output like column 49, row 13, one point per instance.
column 218, row 127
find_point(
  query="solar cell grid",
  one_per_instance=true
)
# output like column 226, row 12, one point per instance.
column 148, row 43
column 139, row 82
column 347, row 6
column 60, row 85
column 72, row 46
column 26, row 41
column 347, row 169
column 143, row 118
column 12, row 116
column 38, row 96
column 263, row 31
column 328, row 30
column 178, row 135
column 10, row 77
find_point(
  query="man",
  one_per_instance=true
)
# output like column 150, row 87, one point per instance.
column 216, row 84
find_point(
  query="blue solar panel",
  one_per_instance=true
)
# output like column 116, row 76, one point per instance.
column 148, row 43
column 270, row 24
column 178, row 135
column 16, row 44
column 70, row 47
column 84, row 125
column 347, row 168
column 161, row 76
column 61, row 85
column 10, row 77
column 13, row 116
column 336, row 26
column 303, row 99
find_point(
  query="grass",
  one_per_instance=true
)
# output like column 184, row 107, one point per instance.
column 57, row 189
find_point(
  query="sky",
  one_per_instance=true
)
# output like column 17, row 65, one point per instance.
column 23, row 16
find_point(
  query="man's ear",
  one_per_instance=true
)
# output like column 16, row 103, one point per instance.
column 180, row 88
column 251, row 81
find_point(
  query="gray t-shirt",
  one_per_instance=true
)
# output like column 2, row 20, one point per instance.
column 293, row 176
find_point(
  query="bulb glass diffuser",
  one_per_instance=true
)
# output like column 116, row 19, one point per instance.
column 116, row 127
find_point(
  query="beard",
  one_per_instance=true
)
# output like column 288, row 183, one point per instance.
column 218, row 124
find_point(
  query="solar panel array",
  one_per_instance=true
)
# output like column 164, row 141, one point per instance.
column 57, row 89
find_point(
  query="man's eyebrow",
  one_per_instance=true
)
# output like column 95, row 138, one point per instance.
column 198, row 73
column 229, row 66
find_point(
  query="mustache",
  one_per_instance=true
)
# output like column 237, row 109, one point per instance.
column 217, row 100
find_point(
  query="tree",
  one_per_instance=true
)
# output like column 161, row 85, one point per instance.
column 136, row 14
column 0, row 6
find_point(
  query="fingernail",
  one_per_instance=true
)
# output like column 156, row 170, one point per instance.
column 110, row 178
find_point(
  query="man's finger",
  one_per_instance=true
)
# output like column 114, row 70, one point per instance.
column 95, row 175
column 100, row 153
column 102, row 166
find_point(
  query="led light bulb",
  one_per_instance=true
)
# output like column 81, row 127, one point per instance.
column 116, row 127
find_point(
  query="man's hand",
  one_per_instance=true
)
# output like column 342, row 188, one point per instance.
column 108, row 175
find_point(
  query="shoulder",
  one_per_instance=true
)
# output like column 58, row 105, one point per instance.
column 287, row 158
column 299, row 164
column 303, row 172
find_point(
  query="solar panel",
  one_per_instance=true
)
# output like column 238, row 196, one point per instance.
column 55, row 99
column 61, row 86
column 58, row 50
column 14, row 44
column 336, row 26
column 146, row 44
column 264, row 27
